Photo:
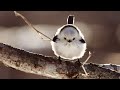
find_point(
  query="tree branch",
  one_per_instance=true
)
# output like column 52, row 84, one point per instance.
column 51, row 67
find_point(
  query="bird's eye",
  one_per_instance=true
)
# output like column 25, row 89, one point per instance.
column 64, row 38
column 73, row 38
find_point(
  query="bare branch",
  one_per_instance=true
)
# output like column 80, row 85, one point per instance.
column 29, row 24
column 111, row 67
column 51, row 67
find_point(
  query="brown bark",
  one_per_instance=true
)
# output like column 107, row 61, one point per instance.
column 50, row 66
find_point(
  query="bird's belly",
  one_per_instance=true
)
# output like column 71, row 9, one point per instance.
column 69, row 51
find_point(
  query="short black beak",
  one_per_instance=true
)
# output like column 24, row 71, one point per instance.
column 69, row 41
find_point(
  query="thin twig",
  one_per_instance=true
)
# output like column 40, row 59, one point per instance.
column 85, row 63
column 20, row 15
column 90, row 54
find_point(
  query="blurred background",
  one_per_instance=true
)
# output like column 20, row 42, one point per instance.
column 100, row 28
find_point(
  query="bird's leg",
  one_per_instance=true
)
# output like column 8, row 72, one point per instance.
column 59, row 59
column 79, row 62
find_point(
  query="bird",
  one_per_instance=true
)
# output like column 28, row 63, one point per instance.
column 69, row 42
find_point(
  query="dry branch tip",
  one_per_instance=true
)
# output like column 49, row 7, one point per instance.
column 29, row 24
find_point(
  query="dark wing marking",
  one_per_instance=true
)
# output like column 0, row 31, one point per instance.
column 82, row 41
column 55, row 38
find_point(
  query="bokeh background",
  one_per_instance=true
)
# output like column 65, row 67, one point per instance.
column 100, row 28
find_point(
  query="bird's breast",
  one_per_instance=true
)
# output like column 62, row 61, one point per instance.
column 69, row 51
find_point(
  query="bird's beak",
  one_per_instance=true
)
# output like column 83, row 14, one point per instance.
column 69, row 41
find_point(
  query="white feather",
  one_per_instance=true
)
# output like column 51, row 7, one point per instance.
column 66, row 50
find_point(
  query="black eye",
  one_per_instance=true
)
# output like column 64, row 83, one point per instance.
column 73, row 38
column 64, row 38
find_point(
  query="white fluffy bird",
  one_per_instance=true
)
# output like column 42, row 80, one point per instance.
column 68, row 42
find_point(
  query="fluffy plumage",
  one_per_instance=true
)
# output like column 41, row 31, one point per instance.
column 68, row 42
